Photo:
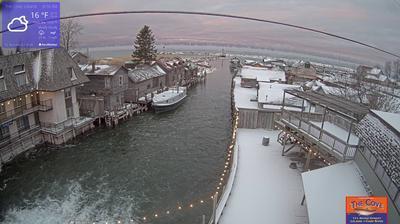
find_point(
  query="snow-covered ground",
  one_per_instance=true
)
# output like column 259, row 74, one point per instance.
column 266, row 190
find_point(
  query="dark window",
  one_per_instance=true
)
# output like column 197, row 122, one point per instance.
column 121, row 80
column 19, row 69
column 23, row 123
column 2, row 82
column 148, row 86
column 67, row 93
column 4, row 132
column 21, row 79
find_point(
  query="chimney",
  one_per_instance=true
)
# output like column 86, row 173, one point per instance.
column 93, row 66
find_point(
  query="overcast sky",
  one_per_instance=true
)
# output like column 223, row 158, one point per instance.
column 376, row 22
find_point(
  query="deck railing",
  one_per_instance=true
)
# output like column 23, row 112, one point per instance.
column 340, row 147
column 57, row 128
column 13, row 114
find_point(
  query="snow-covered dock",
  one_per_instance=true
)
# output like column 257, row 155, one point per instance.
column 266, row 190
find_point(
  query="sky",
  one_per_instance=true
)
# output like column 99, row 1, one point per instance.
column 376, row 22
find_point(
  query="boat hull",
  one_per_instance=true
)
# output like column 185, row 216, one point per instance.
column 165, row 108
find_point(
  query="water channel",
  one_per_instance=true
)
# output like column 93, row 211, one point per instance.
column 149, row 164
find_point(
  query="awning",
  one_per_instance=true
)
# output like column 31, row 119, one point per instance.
column 326, row 190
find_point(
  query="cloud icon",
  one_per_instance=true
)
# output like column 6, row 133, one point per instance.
column 18, row 23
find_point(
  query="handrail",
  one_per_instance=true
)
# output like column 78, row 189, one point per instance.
column 61, row 126
column 12, row 114
column 317, row 127
column 345, row 153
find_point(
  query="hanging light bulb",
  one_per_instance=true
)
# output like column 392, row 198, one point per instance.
column 179, row 208
column 201, row 201
column 167, row 212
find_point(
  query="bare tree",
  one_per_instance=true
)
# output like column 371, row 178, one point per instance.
column 69, row 31
column 384, row 102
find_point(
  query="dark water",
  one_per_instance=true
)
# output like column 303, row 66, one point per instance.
column 150, row 164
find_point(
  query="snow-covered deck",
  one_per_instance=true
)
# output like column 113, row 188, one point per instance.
column 266, row 190
column 326, row 190
column 338, row 132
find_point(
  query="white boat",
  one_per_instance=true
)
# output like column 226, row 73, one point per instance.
column 169, row 99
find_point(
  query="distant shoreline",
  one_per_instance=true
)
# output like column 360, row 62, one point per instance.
column 124, row 50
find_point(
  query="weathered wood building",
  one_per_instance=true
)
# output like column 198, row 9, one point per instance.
column 108, row 84
column 143, row 81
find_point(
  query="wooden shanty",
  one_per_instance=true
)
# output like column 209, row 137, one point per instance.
column 324, row 128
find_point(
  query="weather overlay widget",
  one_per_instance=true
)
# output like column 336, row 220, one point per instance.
column 31, row 24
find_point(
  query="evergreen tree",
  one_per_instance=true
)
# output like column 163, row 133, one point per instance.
column 144, row 45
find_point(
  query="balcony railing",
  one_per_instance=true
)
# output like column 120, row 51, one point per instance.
column 335, row 144
column 13, row 114
column 19, row 135
column 56, row 128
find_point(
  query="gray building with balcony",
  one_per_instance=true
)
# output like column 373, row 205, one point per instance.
column 38, row 100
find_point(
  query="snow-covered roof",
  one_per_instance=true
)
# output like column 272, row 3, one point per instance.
column 391, row 119
column 144, row 73
column 263, row 74
column 316, row 85
column 326, row 190
column 273, row 92
column 375, row 71
column 102, row 70
column 245, row 97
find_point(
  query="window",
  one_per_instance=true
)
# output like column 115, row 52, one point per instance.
column 18, row 69
column 70, row 112
column 107, row 83
column 20, row 75
column 121, row 80
column 68, row 103
column 21, row 79
column 2, row 108
column 2, row 82
column 148, row 86
column 4, row 132
column 23, row 123
column 72, row 73
column 67, row 93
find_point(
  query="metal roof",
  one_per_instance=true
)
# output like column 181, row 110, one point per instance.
column 334, row 103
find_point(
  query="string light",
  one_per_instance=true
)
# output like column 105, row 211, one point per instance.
column 227, row 162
